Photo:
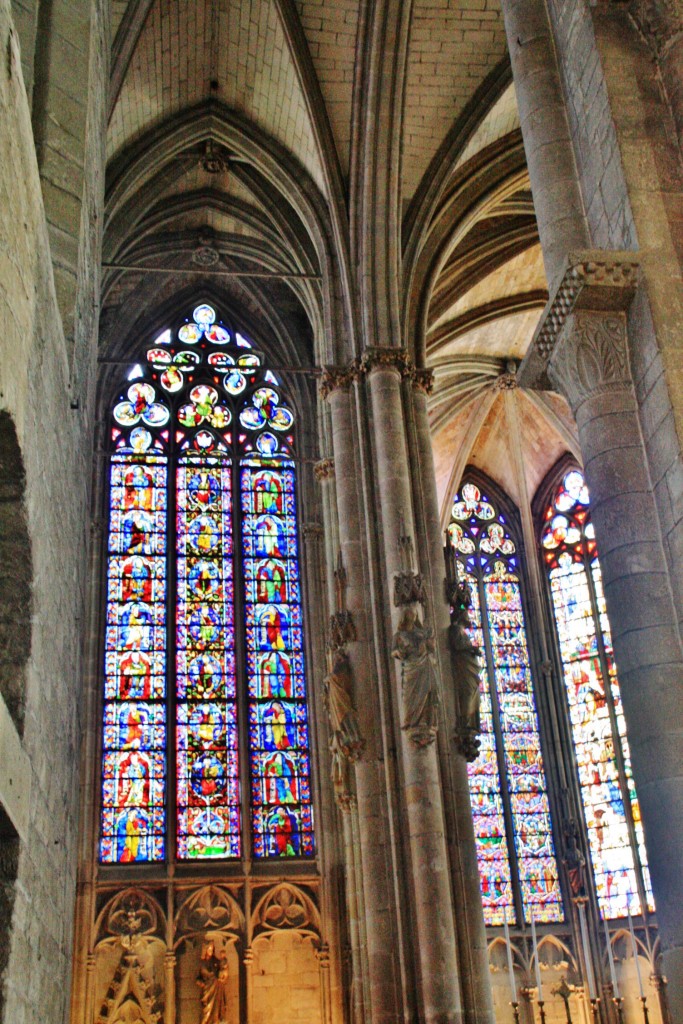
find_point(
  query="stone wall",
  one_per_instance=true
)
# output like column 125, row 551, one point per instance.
column 54, row 443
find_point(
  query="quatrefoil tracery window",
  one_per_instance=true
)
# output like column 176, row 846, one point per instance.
column 204, row 616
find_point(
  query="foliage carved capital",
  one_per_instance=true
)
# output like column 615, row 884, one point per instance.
column 591, row 356
column 386, row 357
column 600, row 281
column 336, row 378
column 422, row 379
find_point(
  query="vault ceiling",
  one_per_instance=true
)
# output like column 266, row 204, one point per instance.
column 276, row 86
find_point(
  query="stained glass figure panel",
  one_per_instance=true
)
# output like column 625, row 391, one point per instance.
column 282, row 820
column 510, row 740
column 486, row 798
column 594, row 699
column 197, row 402
column 536, row 862
column 208, row 797
column 134, row 730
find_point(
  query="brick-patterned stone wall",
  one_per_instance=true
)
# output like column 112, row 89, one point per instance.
column 594, row 137
column 25, row 15
column 453, row 46
column 331, row 31
column 286, row 980
column 55, row 443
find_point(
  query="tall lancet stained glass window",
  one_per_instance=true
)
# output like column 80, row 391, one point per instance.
column 517, row 864
column 205, row 750
column 615, row 834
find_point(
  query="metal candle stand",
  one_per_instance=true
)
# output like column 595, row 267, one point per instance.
column 618, row 1000
column 646, row 1012
column 515, row 1012
column 595, row 1008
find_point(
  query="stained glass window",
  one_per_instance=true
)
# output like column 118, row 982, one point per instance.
column 202, row 509
column 507, row 780
column 610, row 804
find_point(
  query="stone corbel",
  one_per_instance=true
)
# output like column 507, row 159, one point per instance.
column 597, row 284
column 324, row 469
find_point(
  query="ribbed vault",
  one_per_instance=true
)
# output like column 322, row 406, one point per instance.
column 243, row 156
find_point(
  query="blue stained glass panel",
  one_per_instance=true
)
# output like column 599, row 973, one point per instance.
column 522, row 748
column 486, row 799
column 208, row 792
column 134, row 728
column 282, row 821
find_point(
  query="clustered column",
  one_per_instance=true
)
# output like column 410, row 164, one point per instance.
column 414, row 892
column 381, row 983
column 470, row 928
column 419, row 690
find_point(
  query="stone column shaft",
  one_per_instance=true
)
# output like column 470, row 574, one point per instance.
column 380, row 969
column 590, row 364
column 545, row 131
column 433, row 908
column 469, row 917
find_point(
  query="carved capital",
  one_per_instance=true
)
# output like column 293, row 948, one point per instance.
column 590, row 356
column 324, row 469
column 386, row 357
column 598, row 280
column 336, row 377
column 422, row 379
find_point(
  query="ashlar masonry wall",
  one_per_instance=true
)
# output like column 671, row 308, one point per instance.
column 39, row 780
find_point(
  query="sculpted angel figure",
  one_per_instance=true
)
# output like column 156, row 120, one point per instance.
column 414, row 647
column 213, row 984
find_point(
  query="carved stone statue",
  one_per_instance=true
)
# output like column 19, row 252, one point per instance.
column 343, row 718
column 340, row 776
column 574, row 860
column 414, row 647
column 466, row 665
column 213, row 984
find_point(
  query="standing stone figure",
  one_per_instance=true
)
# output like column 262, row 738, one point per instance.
column 343, row 718
column 466, row 665
column 213, row 983
column 346, row 742
column 414, row 647
column 574, row 860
